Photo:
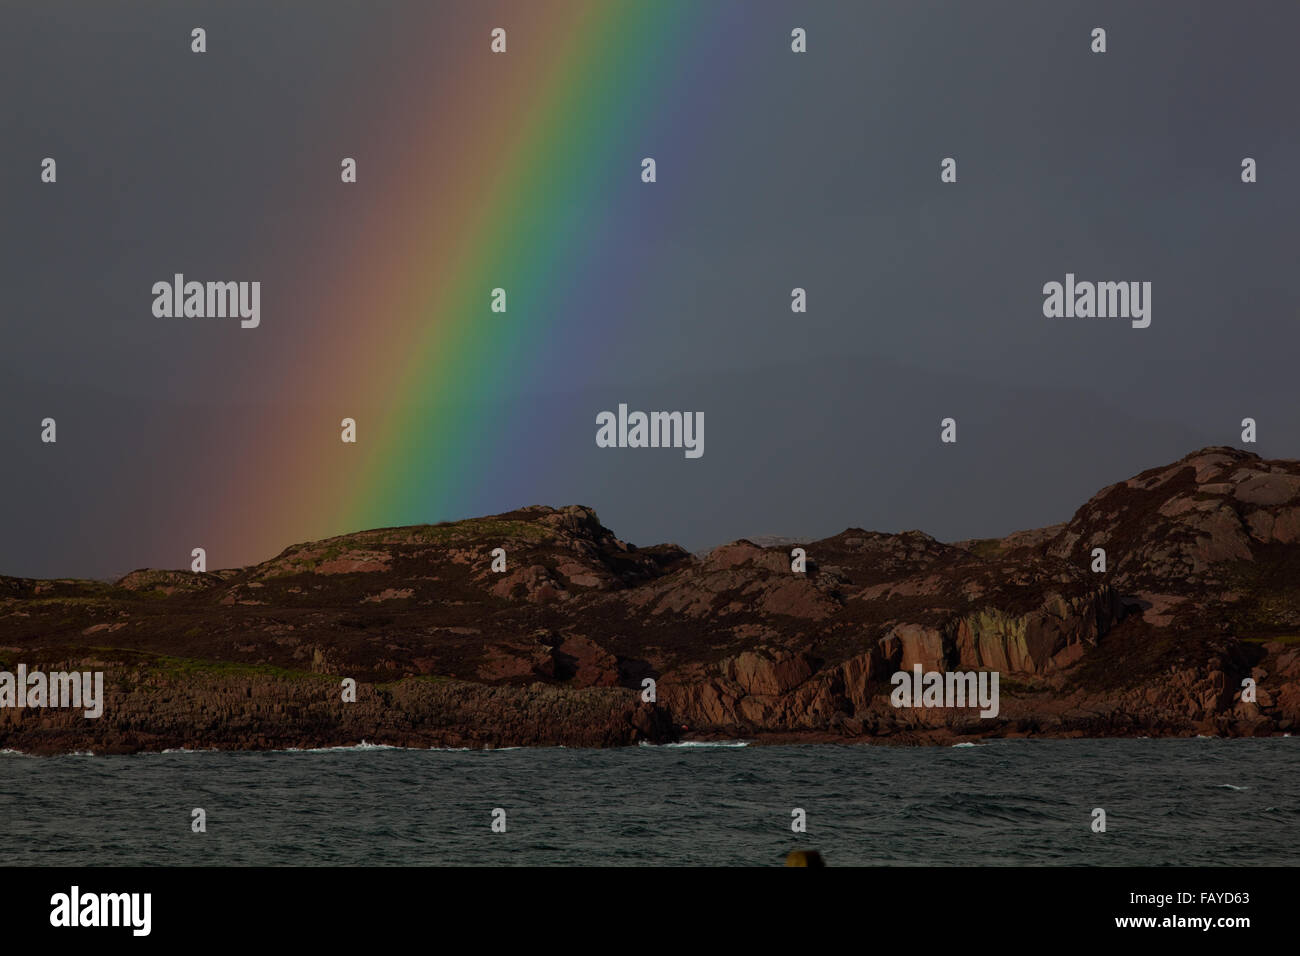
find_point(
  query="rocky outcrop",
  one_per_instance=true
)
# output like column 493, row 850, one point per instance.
column 1191, row 627
column 1189, row 522
column 151, row 707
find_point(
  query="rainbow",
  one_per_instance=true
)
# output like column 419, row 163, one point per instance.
column 525, row 194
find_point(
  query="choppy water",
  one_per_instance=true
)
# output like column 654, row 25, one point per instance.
column 1005, row 802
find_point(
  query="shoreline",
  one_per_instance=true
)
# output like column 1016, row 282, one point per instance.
column 701, row 742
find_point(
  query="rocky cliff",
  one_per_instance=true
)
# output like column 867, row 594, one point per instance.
column 1200, row 592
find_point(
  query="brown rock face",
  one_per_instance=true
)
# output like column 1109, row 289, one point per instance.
column 910, row 644
column 1199, row 593
column 1190, row 522
column 767, row 673
column 585, row 663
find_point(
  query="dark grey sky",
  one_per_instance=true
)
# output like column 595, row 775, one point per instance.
column 820, row 171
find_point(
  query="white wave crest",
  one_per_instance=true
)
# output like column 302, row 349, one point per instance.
column 698, row 744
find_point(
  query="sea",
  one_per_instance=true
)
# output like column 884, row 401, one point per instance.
column 1202, row 801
